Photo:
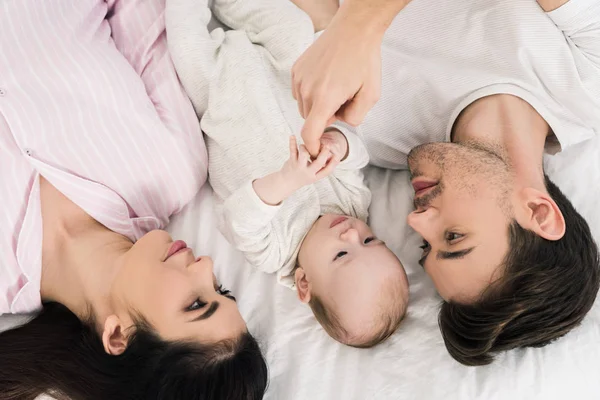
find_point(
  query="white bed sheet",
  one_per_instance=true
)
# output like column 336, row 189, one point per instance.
column 304, row 363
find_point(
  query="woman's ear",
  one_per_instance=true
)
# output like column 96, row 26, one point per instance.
column 113, row 336
column 543, row 215
column 302, row 285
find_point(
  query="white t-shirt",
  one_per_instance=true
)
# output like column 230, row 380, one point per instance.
column 440, row 56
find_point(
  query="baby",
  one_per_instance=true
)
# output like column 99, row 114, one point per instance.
column 301, row 218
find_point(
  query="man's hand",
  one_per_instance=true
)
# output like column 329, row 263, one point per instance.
column 339, row 76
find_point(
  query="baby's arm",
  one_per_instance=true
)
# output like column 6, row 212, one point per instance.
column 249, row 212
column 193, row 49
column 296, row 173
column 353, row 194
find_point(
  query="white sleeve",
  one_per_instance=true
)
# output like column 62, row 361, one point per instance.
column 358, row 157
column 354, row 196
column 277, row 25
column 580, row 22
column 193, row 48
column 247, row 224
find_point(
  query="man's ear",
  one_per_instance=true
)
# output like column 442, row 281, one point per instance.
column 113, row 336
column 542, row 215
column 302, row 285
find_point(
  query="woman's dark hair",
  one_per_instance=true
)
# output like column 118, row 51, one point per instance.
column 546, row 290
column 57, row 354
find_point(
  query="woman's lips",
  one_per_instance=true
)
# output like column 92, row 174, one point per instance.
column 176, row 247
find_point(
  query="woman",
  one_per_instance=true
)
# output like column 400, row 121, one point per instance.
column 93, row 163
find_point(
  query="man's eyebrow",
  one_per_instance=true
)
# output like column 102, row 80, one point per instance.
column 453, row 255
column 214, row 306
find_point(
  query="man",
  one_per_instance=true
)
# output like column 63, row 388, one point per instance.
column 499, row 82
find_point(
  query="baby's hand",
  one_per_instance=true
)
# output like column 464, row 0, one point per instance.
column 299, row 171
column 336, row 142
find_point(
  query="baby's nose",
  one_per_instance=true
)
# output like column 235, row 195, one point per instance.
column 351, row 235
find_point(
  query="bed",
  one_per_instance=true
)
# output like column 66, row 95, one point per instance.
column 305, row 363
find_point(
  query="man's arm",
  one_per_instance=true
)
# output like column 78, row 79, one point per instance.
column 579, row 20
column 339, row 76
column 551, row 5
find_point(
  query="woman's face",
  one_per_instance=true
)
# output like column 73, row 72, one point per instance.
column 175, row 292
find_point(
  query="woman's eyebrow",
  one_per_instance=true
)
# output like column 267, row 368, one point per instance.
column 214, row 306
column 453, row 255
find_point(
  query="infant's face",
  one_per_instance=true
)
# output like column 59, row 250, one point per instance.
column 347, row 266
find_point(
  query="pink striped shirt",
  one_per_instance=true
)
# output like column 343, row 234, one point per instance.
column 90, row 100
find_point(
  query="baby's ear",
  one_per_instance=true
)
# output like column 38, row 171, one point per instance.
column 302, row 285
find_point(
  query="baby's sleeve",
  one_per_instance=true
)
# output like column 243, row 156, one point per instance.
column 358, row 157
column 193, row 48
column 354, row 195
column 246, row 221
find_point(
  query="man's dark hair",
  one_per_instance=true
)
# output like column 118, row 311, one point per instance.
column 545, row 290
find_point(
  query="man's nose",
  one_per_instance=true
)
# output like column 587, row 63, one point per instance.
column 422, row 222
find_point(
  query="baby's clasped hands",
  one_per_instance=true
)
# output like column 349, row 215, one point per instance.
column 300, row 171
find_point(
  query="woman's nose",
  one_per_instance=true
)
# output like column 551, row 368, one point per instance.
column 207, row 263
column 203, row 266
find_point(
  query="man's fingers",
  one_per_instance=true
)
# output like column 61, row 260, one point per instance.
column 313, row 128
column 354, row 111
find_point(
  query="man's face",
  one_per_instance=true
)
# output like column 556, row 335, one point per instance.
column 463, row 212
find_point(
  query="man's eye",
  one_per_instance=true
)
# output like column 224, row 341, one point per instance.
column 369, row 240
column 425, row 245
column 340, row 255
column 196, row 305
column 453, row 237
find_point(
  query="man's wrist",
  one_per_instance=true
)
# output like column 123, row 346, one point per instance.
column 372, row 16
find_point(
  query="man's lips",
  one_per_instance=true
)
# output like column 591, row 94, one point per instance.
column 422, row 186
column 176, row 247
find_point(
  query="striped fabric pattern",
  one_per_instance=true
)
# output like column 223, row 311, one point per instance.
column 90, row 100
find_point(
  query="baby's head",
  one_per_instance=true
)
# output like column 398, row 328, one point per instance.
column 355, row 285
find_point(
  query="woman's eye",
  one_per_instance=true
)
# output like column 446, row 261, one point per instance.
column 224, row 292
column 369, row 240
column 196, row 305
column 453, row 237
column 340, row 255
column 425, row 245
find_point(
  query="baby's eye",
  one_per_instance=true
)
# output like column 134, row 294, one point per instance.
column 196, row 305
column 369, row 239
column 340, row 255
